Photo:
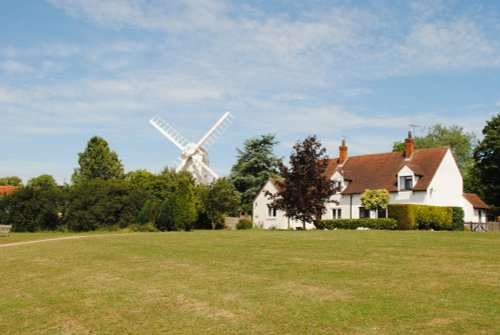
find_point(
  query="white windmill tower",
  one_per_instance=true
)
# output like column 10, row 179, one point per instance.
column 194, row 156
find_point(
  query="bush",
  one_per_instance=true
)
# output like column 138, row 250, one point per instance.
column 148, row 211
column 382, row 223
column 433, row 217
column 148, row 227
column 421, row 216
column 244, row 224
column 102, row 205
column 457, row 218
column 30, row 209
column 404, row 215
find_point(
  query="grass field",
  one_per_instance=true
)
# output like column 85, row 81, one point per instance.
column 252, row 282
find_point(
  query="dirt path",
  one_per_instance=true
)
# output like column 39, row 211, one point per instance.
column 60, row 238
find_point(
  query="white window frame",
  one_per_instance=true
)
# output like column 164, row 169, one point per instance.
column 402, row 183
column 336, row 213
column 271, row 212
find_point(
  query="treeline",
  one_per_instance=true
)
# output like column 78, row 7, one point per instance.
column 102, row 196
column 140, row 201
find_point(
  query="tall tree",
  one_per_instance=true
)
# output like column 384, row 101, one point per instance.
column 304, row 188
column 98, row 161
column 460, row 142
column 487, row 162
column 11, row 181
column 43, row 181
column 178, row 211
column 221, row 199
column 255, row 165
column 102, row 204
column 32, row 209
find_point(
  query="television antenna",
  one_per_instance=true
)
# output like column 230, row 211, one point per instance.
column 413, row 127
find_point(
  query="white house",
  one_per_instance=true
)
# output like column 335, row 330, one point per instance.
column 474, row 208
column 425, row 176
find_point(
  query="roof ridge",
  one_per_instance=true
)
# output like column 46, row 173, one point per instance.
column 393, row 152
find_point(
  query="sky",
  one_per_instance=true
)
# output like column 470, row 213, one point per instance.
column 359, row 70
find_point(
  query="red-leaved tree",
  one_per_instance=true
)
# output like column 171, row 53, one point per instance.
column 304, row 189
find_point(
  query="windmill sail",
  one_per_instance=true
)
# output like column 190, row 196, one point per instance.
column 217, row 130
column 194, row 156
column 169, row 132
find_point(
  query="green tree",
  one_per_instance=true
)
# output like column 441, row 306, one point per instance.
column 102, row 204
column 221, row 199
column 201, row 195
column 304, row 189
column 374, row 200
column 487, row 162
column 149, row 212
column 11, row 181
column 255, row 165
column 98, row 161
column 460, row 142
column 43, row 181
column 178, row 211
column 32, row 209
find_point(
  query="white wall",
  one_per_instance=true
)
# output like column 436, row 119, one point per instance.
column 446, row 188
column 260, row 212
column 471, row 214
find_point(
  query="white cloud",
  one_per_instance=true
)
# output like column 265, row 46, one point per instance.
column 357, row 91
column 450, row 45
column 8, row 95
column 290, row 97
column 188, row 15
column 13, row 67
column 426, row 9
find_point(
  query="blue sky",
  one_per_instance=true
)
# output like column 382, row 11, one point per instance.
column 363, row 70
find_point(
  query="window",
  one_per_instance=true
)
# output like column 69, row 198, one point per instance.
column 271, row 212
column 405, row 182
column 364, row 213
column 338, row 184
column 381, row 213
column 336, row 213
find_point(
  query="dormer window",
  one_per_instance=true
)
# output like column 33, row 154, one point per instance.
column 338, row 184
column 406, row 183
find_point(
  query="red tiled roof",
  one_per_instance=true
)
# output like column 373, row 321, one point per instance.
column 379, row 171
column 8, row 190
column 475, row 201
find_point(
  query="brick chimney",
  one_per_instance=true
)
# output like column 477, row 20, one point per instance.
column 409, row 146
column 342, row 153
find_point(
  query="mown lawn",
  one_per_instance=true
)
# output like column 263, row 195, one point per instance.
column 253, row 282
column 25, row 237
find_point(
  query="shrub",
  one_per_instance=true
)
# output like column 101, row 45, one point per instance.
column 421, row 216
column 148, row 211
column 32, row 209
column 148, row 227
column 457, row 218
column 404, row 215
column 382, row 223
column 102, row 204
column 433, row 217
column 244, row 224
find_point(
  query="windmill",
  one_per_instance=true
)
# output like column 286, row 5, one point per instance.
column 194, row 156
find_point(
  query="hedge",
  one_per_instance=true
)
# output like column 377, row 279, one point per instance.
column 433, row 217
column 382, row 223
column 404, row 215
column 457, row 218
column 423, row 216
